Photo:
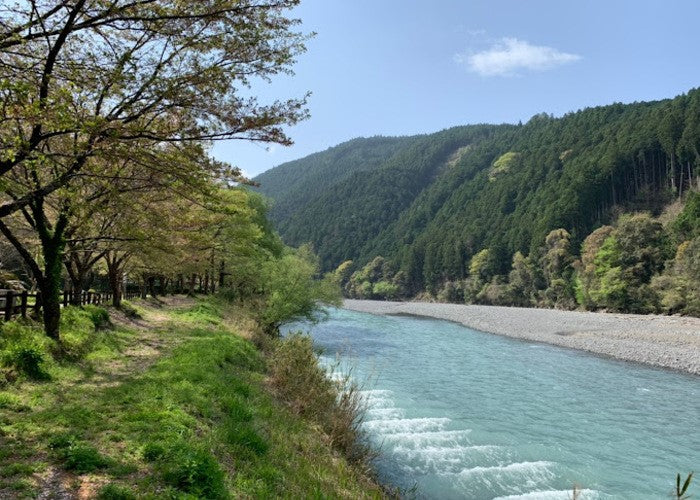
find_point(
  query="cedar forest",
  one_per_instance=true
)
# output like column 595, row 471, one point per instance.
column 597, row 209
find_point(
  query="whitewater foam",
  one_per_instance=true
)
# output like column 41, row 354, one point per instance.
column 554, row 495
column 412, row 425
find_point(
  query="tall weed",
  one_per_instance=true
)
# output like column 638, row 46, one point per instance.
column 308, row 389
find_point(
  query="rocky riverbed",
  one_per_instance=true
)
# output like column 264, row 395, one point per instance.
column 666, row 341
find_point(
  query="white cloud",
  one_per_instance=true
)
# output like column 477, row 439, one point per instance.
column 510, row 55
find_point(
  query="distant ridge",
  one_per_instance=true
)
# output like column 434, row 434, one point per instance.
column 429, row 203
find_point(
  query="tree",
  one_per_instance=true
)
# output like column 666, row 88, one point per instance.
column 557, row 266
column 522, row 281
column 586, row 276
column 291, row 290
column 386, row 290
column 88, row 78
column 678, row 286
column 90, row 83
column 634, row 251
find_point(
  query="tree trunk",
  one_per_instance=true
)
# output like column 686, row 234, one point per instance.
column 152, row 286
column 115, row 285
column 51, row 289
column 77, row 280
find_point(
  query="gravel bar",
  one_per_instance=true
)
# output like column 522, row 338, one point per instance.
column 671, row 342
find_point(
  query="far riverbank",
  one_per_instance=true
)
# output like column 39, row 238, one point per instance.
column 665, row 341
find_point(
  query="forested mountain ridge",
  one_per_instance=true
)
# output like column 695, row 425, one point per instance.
column 340, row 213
column 324, row 169
column 444, row 198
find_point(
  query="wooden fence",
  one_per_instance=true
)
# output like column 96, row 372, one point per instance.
column 13, row 303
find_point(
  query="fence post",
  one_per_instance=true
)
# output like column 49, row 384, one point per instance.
column 89, row 297
column 65, row 298
column 25, row 294
column 9, row 304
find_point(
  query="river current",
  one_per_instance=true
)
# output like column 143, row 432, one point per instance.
column 458, row 413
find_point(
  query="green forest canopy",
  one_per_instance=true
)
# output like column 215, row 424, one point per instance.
column 429, row 204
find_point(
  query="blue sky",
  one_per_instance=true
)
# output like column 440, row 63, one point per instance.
column 401, row 67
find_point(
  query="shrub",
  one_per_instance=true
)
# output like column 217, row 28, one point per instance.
column 62, row 441
column 153, row 452
column 293, row 292
column 24, row 349
column 77, row 456
column 27, row 358
column 79, row 327
column 194, row 471
column 98, row 315
column 115, row 492
column 82, row 458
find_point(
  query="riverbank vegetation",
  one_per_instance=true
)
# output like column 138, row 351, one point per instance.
column 639, row 264
column 596, row 210
column 108, row 188
column 177, row 403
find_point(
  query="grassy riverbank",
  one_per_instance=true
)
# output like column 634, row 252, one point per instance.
column 177, row 403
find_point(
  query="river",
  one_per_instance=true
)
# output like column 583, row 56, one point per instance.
column 458, row 413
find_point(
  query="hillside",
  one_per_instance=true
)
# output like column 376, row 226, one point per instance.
column 322, row 170
column 339, row 202
column 429, row 204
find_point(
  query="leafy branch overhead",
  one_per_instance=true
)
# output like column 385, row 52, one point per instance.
column 108, row 111
column 91, row 78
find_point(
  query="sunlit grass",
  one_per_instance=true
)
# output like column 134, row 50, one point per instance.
column 196, row 419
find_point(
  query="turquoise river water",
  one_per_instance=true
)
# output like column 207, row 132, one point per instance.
column 458, row 413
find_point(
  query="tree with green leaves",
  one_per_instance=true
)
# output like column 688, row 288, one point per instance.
column 291, row 290
column 88, row 83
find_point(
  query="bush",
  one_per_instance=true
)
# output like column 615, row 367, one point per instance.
column 98, row 315
column 77, row 456
column 153, row 452
column 194, row 471
column 24, row 349
column 115, row 492
column 28, row 359
column 82, row 458
column 78, row 329
column 292, row 290
column 190, row 469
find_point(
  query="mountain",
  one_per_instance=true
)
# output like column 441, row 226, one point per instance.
column 428, row 204
column 293, row 184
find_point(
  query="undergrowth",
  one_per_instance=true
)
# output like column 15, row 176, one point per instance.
column 335, row 403
column 196, row 421
column 26, row 352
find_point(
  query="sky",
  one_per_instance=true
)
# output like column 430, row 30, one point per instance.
column 404, row 67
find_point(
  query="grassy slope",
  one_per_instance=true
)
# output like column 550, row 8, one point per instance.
column 173, row 406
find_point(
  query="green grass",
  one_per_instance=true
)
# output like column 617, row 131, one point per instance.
column 195, row 419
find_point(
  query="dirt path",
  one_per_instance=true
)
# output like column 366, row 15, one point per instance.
column 143, row 350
